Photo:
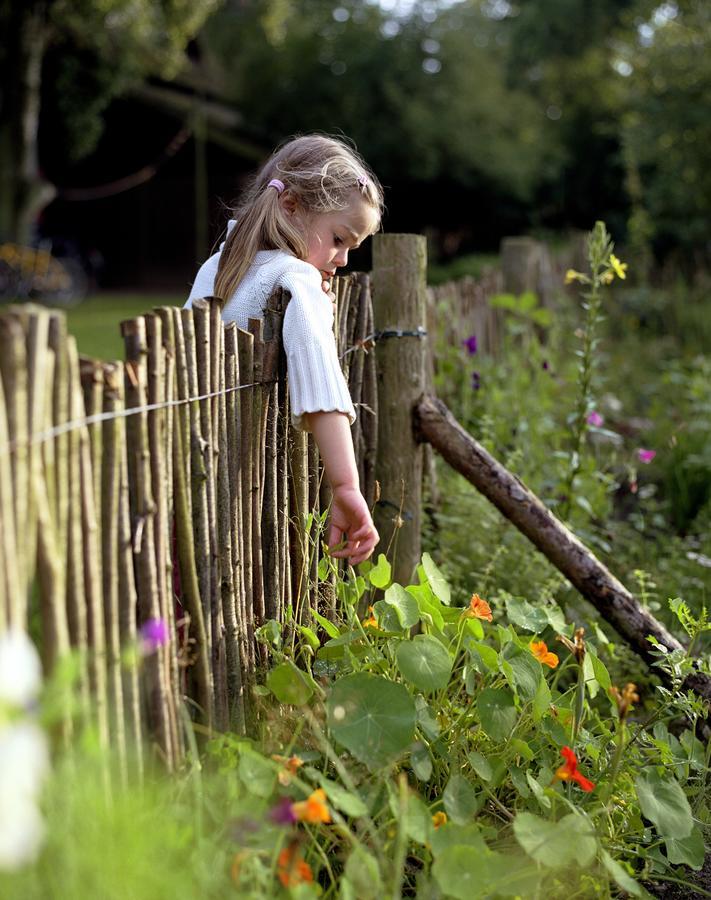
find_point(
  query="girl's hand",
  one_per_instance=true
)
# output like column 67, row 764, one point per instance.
column 326, row 288
column 350, row 516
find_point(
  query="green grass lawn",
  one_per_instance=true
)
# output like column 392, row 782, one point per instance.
column 95, row 322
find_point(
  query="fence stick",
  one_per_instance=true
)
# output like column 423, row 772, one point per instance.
column 256, row 328
column 143, row 517
column 188, row 568
column 9, row 576
column 112, row 443
column 245, row 346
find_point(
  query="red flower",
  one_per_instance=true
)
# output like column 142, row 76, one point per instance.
column 569, row 771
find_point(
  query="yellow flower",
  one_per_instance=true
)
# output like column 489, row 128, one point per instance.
column 572, row 275
column 620, row 268
column 439, row 818
column 607, row 277
column 371, row 621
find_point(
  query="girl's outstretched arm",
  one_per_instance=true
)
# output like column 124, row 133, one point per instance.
column 350, row 515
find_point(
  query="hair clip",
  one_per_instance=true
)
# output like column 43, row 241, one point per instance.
column 276, row 183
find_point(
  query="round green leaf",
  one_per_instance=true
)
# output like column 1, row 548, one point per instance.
column 363, row 874
column 556, row 844
column 527, row 674
column 497, row 712
column 461, row 800
column 688, row 851
column 424, row 662
column 404, row 604
column 380, row 574
column 664, row 803
column 468, row 873
column 436, row 580
column 289, row 685
column 421, row 762
column 481, row 765
column 344, row 800
column 372, row 717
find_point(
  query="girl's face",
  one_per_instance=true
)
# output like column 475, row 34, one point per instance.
column 330, row 236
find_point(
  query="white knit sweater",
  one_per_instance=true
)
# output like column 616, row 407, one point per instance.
column 316, row 382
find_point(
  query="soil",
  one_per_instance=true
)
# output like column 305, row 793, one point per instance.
column 667, row 890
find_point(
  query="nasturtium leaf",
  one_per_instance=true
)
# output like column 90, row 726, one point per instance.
column 424, row 662
column 415, row 819
column 343, row 800
column 620, row 876
column 664, row 803
column 327, row 626
column 309, row 635
column 557, row 844
column 421, row 762
column 381, row 572
column 487, row 654
column 426, row 719
column 428, row 604
column 372, row 717
column 527, row 674
column 474, row 628
column 289, row 685
column 364, row 875
column 404, row 604
column 388, row 619
column 256, row 773
column 538, row 791
column 481, row 765
column 467, row 874
column 521, row 748
column 518, row 779
column 453, row 835
column 526, row 616
column 497, row 712
column 436, row 580
column 461, row 801
column 688, row 851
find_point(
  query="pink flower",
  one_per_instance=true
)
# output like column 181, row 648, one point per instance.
column 595, row 419
column 153, row 634
column 645, row 456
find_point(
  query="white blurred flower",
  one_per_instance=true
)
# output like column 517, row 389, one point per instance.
column 24, row 752
column 20, row 669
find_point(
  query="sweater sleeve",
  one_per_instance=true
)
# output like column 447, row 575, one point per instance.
column 204, row 284
column 316, row 381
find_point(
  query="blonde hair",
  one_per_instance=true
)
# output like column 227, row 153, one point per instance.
column 321, row 174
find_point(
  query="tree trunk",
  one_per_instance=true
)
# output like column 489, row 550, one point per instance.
column 23, row 192
column 435, row 423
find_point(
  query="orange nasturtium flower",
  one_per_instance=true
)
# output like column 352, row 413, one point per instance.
column 313, row 809
column 439, row 818
column 371, row 621
column 291, row 868
column 291, row 767
column 569, row 771
column 478, row 609
column 540, row 650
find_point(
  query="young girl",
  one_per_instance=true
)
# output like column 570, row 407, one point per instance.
column 312, row 202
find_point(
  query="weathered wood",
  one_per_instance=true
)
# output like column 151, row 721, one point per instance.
column 143, row 509
column 196, row 657
column 435, row 423
column 399, row 292
column 112, row 445
column 245, row 348
column 256, row 328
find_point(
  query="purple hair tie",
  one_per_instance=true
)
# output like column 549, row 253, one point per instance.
column 362, row 181
column 276, row 183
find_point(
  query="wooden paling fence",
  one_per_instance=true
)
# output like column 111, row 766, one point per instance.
column 170, row 486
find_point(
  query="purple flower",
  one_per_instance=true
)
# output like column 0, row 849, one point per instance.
column 476, row 381
column 595, row 419
column 544, row 365
column 282, row 813
column 153, row 633
column 470, row 344
column 645, row 456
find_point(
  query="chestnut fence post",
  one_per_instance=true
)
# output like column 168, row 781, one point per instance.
column 400, row 310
